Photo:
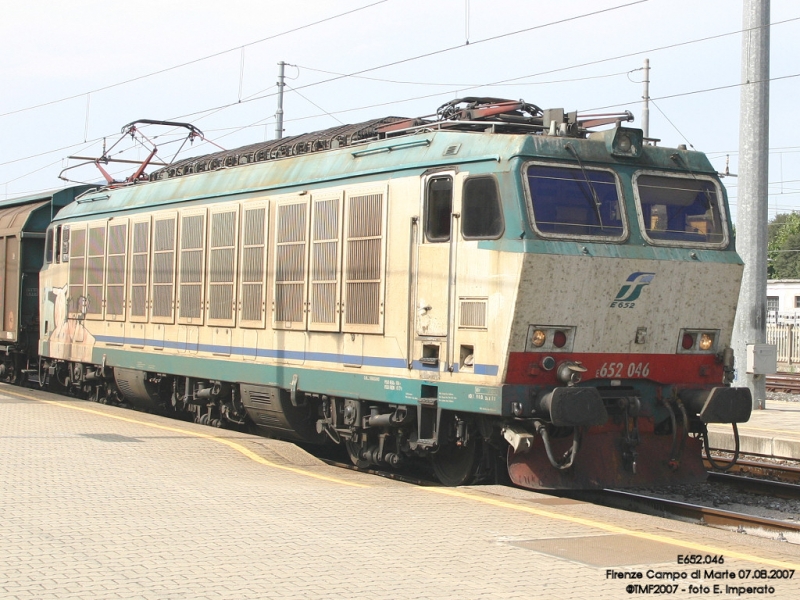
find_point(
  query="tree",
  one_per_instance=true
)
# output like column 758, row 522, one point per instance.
column 783, row 247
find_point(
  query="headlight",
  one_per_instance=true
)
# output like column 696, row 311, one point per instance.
column 688, row 341
column 538, row 338
column 706, row 341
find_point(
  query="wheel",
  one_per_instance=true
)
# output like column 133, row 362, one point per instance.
column 354, row 451
column 455, row 465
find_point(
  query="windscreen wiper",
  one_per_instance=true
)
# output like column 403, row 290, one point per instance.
column 595, row 200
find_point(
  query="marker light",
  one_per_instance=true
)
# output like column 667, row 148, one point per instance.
column 559, row 339
column 706, row 341
column 688, row 341
column 538, row 338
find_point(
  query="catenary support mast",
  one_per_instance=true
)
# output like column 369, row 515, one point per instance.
column 752, row 215
column 279, row 112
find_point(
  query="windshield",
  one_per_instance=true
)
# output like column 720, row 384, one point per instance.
column 574, row 201
column 680, row 210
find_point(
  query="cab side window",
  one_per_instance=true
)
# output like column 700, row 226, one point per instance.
column 438, row 208
column 481, row 216
column 48, row 246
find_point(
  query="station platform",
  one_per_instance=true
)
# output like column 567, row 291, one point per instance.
column 102, row 502
column 772, row 431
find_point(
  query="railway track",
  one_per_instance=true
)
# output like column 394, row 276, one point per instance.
column 787, row 383
column 661, row 507
column 762, row 470
column 694, row 513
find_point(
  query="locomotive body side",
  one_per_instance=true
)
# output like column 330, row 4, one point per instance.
column 391, row 298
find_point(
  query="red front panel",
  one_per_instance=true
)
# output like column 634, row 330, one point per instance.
column 527, row 368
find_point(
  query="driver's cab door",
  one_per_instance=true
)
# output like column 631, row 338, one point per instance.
column 437, row 243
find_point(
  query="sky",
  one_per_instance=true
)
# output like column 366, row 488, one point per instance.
column 74, row 73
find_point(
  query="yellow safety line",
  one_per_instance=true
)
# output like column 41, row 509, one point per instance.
column 231, row 444
column 653, row 537
column 450, row 492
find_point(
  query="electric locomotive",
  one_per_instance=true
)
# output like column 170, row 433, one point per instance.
column 494, row 281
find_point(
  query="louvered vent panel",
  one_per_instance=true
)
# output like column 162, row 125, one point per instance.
column 365, row 216
column 365, row 259
column 252, row 268
column 94, row 271
column 222, row 265
column 94, row 285
column 77, row 246
column 325, row 261
column 117, row 234
column 326, row 219
column 253, row 264
column 323, row 301
column 97, row 239
column 192, row 232
column 251, row 301
column 162, row 300
column 363, row 265
column 473, row 314
column 139, row 262
column 223, row 229
column 138, row 301
column 289, row 302
column 254, row 227
column 221, row 302
column 114, row 301
column 141, row 237
column 163, row 267
column 222, row 259
column 191, row 266
column 165, row 235
column 190, row 301
column 363, row 303
column 291, row 223
column 290, row 264
column 115, row 273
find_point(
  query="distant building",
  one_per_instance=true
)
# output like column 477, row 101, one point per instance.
column 783, row 301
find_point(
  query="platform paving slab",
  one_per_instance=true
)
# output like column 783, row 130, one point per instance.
column 102, row 502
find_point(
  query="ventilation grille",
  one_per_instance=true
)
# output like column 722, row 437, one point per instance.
column 191, row 275
column 290, row 263
column 473, row 314
column 325, row 261
column 252, row 271
column 139, row 259
column 222, row 265
column 115, row 270
column 364, row 254
column 163, row 267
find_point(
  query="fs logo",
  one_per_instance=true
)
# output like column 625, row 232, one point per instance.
column 631, row 289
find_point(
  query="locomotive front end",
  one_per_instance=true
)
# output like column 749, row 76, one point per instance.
column 620, row 345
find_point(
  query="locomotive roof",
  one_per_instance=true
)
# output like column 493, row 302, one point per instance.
column 287, row 167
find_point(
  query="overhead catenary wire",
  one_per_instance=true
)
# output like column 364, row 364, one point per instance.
column 194, row 61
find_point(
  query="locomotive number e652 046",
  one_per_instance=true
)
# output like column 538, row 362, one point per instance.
column 618, row 370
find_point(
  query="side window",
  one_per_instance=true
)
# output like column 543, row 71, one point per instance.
column 65, row 244
column 57, row 244
column 481, row 217
column 48, row 246
column 438, row 208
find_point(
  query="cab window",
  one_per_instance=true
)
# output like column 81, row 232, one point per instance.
column 438, row 209
column 680, row 210
column 48, row 246
column 481, row 217
column 574, row 202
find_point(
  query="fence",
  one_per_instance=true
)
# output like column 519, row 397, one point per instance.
column 786, row 336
